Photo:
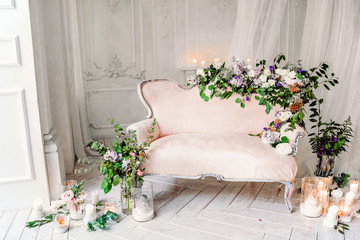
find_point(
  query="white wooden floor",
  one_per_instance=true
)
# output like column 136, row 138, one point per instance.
column 195, row 209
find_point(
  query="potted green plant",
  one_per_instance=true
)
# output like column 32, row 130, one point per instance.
column 330, row 140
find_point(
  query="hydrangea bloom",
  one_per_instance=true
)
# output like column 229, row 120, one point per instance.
column 125, row 165
column 269, row 137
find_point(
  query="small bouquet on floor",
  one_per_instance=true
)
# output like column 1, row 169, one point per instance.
column 75, row 197
column 121, row 162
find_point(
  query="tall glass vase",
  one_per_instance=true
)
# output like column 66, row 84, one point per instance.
column 127, row 200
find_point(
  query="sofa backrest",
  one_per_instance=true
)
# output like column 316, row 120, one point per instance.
column 180, row 110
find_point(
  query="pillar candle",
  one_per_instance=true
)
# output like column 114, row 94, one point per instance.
column 354, row 187
column 331, row 218
column 194, row 62
column 203, row 64
column 95, row 197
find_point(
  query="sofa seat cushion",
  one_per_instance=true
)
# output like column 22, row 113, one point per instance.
column 231, row 156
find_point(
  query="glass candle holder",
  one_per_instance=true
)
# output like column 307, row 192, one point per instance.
column 345, row 211
column 144, row 202
column 354, row 187
column 311, row 202
column 61, row 223
column 110, row 205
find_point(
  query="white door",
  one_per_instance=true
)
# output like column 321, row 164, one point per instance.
column 22, row 164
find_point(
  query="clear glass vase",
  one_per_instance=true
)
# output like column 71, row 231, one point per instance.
column 127, row 200
column 77, row 210
column 144, row 203
column 311, row 204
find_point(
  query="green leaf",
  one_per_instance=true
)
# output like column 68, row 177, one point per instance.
column 104, row 183
column 284, row 139
column 211, row 87
column 116, row 181
column 257, row 97
column 206, row 98
column 110, row 173
column 242, row 105
column 238, row 100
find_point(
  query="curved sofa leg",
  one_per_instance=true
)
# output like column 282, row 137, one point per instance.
column 289, row 188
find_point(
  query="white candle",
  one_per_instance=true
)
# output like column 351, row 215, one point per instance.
column 331, row 218
column 248, row 61
column 349, row 198
column 354, row 187
column 216, row 60
column 194, row 62
column 95, row 197
column 61, row 223
column 39, row 207
column 90, row 210
column 203, row 64
column 324, row 194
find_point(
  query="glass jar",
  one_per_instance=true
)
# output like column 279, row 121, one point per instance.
column 345, row 211
column 110, row 205
column 144, row 202
column 77, row 210
column 311, row 201
column 66, row 186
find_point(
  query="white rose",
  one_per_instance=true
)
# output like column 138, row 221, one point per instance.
column 285, row 115
column 251, row 73
column 292, row 74
column 200, row 72
column 337, row 193
column 262, row 78
column 272, row 82
column 56, row 204
column 265, row 85
column 282, row 72
column 267, row 72
column 283, row 148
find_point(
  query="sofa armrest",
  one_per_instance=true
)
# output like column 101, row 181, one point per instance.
column 296, row 142
column 142, row 130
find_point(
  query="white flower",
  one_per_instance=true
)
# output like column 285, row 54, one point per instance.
column 292, row 74
column 285, row 115
column 200, row 72
column 283, row 148
column 272, row 82
column 282, row 72
column 67, row 196
column 262, row 78
column 251, row 73
column 55, row 205
column 249, row 67
column 267, row 72
column 265, row 85
column 337, row 193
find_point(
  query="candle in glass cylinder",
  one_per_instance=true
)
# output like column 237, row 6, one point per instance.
column 38, row 207
column 345, row 212
column 331, row 218
column 90, row 213
column 354, row 187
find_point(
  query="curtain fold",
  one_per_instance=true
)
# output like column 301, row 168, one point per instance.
column 330, row 31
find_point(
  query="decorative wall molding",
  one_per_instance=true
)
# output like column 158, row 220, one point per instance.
column 112, row 4
column 114, row 70
column 18, row 136
column 90, row 93
column 7, row 4
column 10, row 52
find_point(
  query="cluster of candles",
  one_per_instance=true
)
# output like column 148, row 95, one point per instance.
column 315, row 201
column 194, row 62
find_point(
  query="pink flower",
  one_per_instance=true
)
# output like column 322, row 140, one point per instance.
column 133, row 154
column 139, row 173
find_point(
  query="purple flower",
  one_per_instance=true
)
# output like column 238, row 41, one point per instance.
column 334, row 139
column 277, row 125
column 298, row 70
column 111, row 155
column 271, row 69
column 247, row 98
column 319, row 154
column 278, row 84
column 265, row 128
column 253, row 84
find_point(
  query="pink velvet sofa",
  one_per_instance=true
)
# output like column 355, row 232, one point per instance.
column 196, row 139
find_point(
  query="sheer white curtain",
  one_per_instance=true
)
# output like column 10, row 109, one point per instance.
column 322, row 31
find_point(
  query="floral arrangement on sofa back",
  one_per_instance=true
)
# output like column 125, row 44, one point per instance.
column 284, row 84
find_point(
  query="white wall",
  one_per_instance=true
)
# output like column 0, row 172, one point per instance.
column 158, row 36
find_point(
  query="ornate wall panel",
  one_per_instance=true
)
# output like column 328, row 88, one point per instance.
column 126, row 41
